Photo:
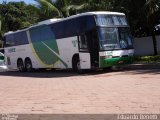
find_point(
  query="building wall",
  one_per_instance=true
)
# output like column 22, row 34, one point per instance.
column 143, row 46
column 158, row 44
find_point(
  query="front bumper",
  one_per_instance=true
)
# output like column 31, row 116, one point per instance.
column 108, row 62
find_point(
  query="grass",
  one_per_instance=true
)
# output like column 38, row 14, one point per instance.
column 147, row 59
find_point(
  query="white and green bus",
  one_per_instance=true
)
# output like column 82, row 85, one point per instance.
column 84, row 41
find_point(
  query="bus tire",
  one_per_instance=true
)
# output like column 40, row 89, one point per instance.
column 20, row 65
column 28, row 65
column 76, row 65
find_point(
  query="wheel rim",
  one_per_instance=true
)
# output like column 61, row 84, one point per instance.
column 28, row 66
column 20, row 66
column 78, row 66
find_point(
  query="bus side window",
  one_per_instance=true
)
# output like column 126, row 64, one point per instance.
column 9, row 42
column 3, row 41
column 83, row 45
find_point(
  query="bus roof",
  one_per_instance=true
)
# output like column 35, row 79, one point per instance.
column 90, row 13
column 100, row 12
column 81, row 14
column 50, row 21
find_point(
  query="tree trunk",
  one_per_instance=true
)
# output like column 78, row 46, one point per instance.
column 154, row 42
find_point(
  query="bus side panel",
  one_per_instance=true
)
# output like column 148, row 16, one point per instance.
column 67, row 48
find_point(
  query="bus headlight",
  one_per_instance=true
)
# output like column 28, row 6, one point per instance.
column 107, row 57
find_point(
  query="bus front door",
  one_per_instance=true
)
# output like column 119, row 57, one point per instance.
column 84, row 55
column 89, row 50
column 85, row 60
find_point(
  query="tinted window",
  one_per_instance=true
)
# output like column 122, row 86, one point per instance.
column 73, row 27
column 125, row 38
column 113, row 38
column 83, row 45
column 108, row 38
column 15, row 39
column 20, row 38
column 9, row 41
column 41, row 33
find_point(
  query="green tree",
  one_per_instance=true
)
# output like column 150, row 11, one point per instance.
column 64, row 6
column 90, row 5
column 58, row 8
column 152, row 12
column 47, row 9
column 32, row 14
column 17, row 15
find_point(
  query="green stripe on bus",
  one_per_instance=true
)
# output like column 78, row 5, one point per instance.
column 45, row 46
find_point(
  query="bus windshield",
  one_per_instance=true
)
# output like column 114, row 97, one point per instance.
column 114, row 38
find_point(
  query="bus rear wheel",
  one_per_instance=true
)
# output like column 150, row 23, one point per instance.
column 28, row 65
column 20, row 65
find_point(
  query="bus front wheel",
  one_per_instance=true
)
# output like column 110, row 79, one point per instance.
column 28, row 65
column 20, row 65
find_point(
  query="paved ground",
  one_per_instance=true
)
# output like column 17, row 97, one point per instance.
column 131, row 91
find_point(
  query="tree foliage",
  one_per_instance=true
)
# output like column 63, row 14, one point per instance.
column 47, row 9
column 17, row 15
column 142, row 15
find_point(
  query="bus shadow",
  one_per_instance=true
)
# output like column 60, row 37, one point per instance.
column 143, row 71
column 51, row 73
column 71, row 73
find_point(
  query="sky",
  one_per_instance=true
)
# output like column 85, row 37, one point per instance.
column 26, row 1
